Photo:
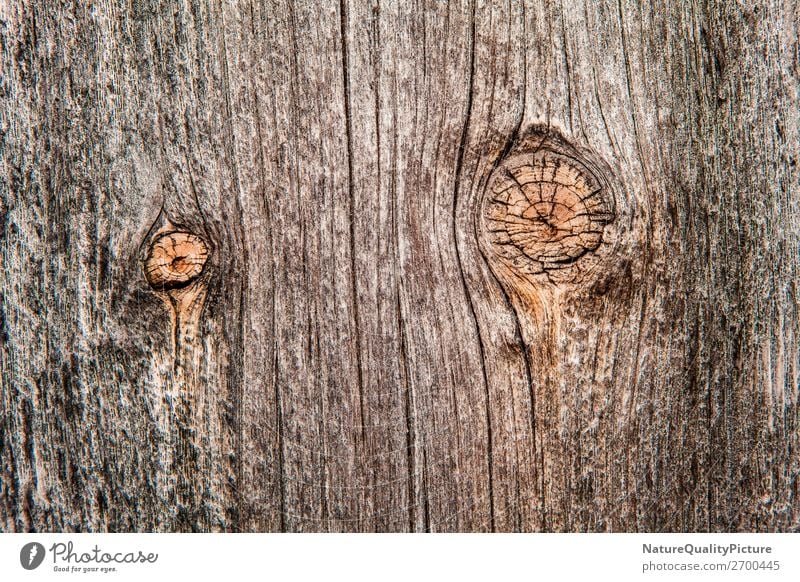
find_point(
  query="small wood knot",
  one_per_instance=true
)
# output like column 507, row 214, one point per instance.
column 175, row 260
column 544, row 210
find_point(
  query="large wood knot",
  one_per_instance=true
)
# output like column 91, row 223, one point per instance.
column 175, row 260
column 545, row 212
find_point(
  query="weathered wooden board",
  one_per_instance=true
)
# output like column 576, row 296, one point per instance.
column 355, row 355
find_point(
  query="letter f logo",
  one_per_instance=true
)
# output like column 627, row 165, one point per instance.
column 31, row 555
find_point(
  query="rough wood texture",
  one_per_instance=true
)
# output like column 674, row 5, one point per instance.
column 351, row 357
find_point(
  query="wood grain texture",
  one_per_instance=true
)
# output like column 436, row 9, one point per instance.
column 350, row 359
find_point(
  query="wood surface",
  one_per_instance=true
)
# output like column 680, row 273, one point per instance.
column 353, row 356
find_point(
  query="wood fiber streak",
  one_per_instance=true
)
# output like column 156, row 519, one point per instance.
column 351, row 355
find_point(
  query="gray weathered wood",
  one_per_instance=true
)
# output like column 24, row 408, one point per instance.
column 352, row 359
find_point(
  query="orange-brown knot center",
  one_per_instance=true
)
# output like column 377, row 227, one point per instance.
column 544, row 211
column 175, row 260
